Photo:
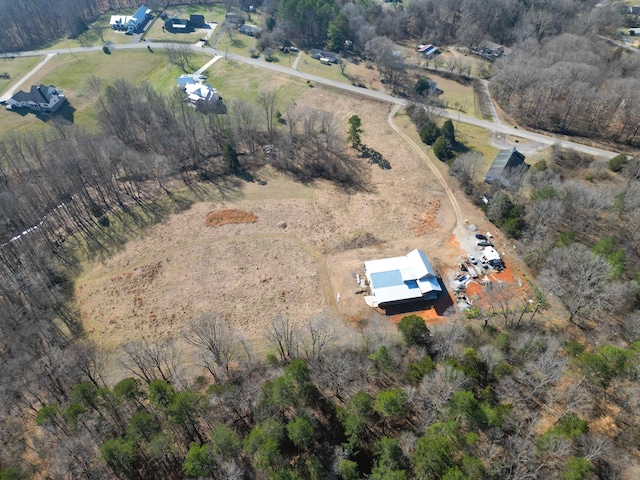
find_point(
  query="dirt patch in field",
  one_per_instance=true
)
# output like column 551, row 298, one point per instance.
column 298, row 256
column 225, row 217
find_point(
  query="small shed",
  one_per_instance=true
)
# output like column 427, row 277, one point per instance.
column 429, row 51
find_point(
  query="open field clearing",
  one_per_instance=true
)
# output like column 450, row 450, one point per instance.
column 235, row 80
column 294, row 259
column 357, row 73
column 238, row 44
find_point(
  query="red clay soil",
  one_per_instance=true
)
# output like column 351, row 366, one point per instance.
column 230, row 216
column 475, row 289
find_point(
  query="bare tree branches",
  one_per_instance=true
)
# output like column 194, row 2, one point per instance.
column 218, row 345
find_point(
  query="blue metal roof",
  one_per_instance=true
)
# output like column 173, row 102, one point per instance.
column 386, row 279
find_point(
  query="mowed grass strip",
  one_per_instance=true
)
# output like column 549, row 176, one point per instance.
column 230, row 216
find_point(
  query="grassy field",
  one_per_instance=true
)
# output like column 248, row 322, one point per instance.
column 478, row 139
column 238, row 44
column 70, row 73
column 212, row 13
column 16, row 68
column 236, row 80
column 99, row 33
column 314, row 67
column 457, row 96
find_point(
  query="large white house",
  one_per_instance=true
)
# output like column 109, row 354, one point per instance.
column 201, row 92
column 130, row 24
column 39, row 99
column 401, row 279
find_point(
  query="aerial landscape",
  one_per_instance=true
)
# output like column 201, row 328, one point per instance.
column 320, row 239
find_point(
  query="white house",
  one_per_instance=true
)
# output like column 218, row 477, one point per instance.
column 130, row 24
column 39, row 99
column 201, row 92
column 401, row 279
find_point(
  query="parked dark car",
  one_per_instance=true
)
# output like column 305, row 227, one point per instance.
column 483, row 243
column 479, row 236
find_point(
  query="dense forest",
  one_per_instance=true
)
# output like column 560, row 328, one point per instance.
column 542, row 387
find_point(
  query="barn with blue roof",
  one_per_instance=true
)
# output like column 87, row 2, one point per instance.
column 401, row 279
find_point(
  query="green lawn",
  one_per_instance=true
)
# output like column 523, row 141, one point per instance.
column 456, row 96
column 314, row 67
column 15, row 68
column 98, row 33
column 478, row 139
column 237, row 80
column 70, row 73
column 238, row 43
column 212, row 13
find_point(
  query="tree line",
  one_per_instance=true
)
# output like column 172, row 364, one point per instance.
column 33, row 24
column 380, row 403
column 593, row 94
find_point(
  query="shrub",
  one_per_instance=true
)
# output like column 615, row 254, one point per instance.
column 618, row 162
column 430, row 133
column 414, row 331
column 441, row 149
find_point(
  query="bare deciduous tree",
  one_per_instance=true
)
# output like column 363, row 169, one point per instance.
column 152, row 360
column 218, row 346
column 321, row 334
column 581, row 281
column 267, row 99
column 284, row 337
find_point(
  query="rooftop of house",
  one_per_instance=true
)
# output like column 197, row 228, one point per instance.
column 141, row 13
column 402, row 278
column 38, row 94
column 200, row 91
column 505, row 159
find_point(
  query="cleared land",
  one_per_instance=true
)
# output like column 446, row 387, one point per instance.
column 252, row 272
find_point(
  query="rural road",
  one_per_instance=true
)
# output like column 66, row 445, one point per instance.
column 373, row 94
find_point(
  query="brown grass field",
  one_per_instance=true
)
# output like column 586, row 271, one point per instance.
column 253, row 270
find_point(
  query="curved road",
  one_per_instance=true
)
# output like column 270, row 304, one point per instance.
column 381, row 96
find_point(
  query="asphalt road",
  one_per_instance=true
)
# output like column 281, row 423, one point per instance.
column 373, row 94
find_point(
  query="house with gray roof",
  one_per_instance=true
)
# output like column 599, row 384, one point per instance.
column 505, row 160
column 40, row 98
column 251, row 30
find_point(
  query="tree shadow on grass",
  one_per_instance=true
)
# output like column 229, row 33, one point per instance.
column 459, row 147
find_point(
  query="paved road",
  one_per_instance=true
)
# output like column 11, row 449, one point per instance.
column 381, row 96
